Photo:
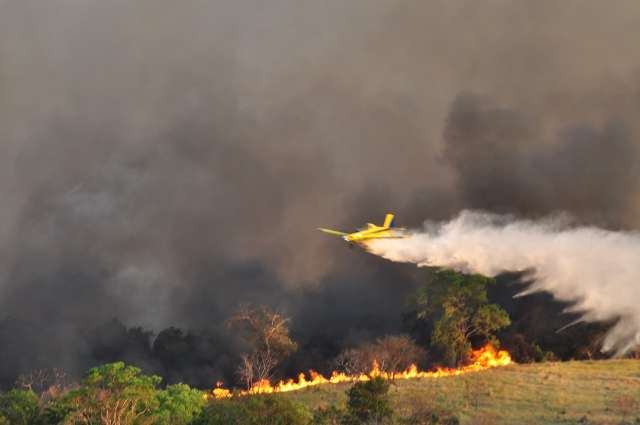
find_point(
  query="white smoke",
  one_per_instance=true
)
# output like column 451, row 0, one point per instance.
column 595, row 269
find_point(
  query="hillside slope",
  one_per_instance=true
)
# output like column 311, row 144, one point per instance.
column 543, row 393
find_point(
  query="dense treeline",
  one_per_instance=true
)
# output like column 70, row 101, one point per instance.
column 116, row 394
column 525, row 326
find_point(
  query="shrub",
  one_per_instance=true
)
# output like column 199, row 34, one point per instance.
column 56, row 412
column 369, row 401
column 257, row 410
column 524, row 351
column 393, row 353
column 328, row 416
column 178, row 405
column 19, row 407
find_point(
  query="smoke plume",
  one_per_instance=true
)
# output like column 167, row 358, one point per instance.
column 162, row 162
column 593, row 269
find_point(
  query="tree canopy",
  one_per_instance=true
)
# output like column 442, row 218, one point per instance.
column 18, row 407
column 458, row 307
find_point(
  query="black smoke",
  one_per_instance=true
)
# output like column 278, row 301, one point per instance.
column 587, row 170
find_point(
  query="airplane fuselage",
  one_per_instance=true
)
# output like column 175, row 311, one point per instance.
column 375, row 232
column 372, row 231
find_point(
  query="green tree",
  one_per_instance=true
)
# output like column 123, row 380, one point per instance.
column 19, row 407
column 178, row 405
column 368, row 402
column 113, row 394
column 458, row 307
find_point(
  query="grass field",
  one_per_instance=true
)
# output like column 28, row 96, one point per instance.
column 588, row 392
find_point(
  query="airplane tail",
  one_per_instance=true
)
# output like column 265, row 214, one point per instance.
column 389, row 221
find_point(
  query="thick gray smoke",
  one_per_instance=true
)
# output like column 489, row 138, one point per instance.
column 162, row 161
column 593, row 269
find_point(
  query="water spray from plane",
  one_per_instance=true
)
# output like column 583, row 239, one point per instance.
column 595, row 270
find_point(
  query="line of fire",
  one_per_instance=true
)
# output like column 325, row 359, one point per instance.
column 484, row 358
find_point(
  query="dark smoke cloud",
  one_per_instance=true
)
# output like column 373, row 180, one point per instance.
column 587, row 170
column 163, row 161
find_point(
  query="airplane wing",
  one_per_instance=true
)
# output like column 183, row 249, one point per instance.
column 332, row 232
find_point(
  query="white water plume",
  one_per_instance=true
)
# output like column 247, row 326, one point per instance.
column 596, row 270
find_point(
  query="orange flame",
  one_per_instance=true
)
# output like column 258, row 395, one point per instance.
column 484, row 358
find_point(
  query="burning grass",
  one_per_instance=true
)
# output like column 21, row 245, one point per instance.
column 482, row 359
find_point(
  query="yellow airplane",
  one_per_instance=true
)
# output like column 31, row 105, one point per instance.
column 387, row 231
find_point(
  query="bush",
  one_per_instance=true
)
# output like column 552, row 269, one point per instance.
column 523, row 351
column 56, row 412
column 329, row 416
column 257, row 410
column 369, row 401
column 178, row 405
column 19, row 407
